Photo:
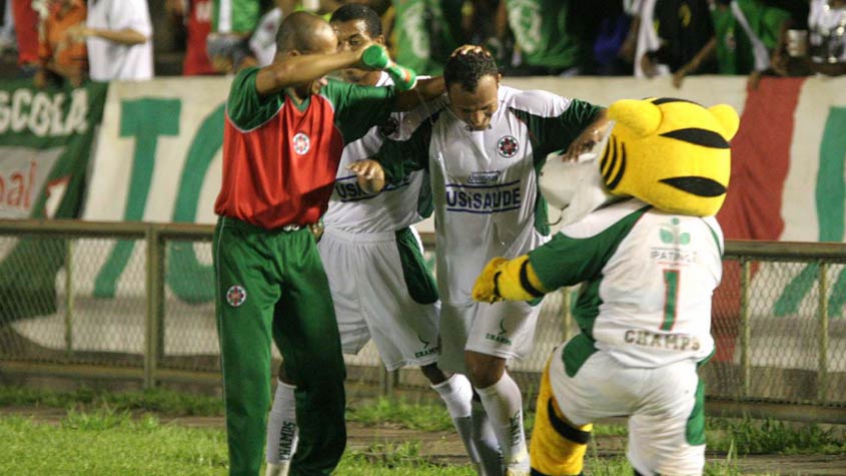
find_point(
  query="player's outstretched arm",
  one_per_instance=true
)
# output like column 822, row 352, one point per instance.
column 431, row 88
column 426, row 90
column 590, row 136
column 512, row 280
column 298, row 69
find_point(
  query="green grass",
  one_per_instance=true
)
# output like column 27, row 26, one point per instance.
column 105, row 443
column 108, row 443
column 401, row 414
column 769, row 436
column 155, row 401
column 106, row 433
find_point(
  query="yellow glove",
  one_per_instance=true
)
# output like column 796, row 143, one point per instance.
column 514, row 280
column 485, row 288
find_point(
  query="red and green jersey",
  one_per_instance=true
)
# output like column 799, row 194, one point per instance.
column 280, row 158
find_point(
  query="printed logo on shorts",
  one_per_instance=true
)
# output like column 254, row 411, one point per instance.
column 501, row 336
column 236, row 295
column 508, row 147
column 426, row 349
column 301, row 143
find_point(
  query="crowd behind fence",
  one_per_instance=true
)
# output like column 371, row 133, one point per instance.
column 139, row 297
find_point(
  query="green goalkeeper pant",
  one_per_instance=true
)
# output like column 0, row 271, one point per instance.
column 271, row 284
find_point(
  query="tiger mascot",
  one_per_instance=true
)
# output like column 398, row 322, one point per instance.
column 648, row 258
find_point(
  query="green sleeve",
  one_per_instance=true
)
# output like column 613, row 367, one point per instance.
column 359, row 108
column 567, row 261
column 551, row 131
column 245, row 107
column 555, row 133
column 401, row 157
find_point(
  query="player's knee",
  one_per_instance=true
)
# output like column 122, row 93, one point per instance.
column 434, row 374
column 483, row 370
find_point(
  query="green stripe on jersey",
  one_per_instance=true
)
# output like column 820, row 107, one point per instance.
column 552, row 134
column 567, row 261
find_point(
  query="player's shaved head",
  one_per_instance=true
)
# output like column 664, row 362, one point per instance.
column 303, row 32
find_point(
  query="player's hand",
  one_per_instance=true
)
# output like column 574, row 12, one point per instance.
column 485, row 289
column 316, row 230
column 586, row 141
column 371, row 175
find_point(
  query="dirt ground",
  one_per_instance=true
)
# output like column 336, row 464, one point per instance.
column 445, row 448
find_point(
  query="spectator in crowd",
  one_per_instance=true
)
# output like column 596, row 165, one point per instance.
column 746, row 35
column 683, row 28
column 425, row 32
column 7, row 30
column 62, row 56
column 27, row 17
column 826, row 40
column 553, row 36
column 196, row 16
column 119, row 38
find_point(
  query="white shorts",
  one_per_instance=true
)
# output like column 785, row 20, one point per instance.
column 659, row 402
column 370, row 292
column 504, row 329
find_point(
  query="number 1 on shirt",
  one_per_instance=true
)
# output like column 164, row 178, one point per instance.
column 671, row 295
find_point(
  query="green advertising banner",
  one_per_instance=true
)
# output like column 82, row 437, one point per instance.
column 46, row 138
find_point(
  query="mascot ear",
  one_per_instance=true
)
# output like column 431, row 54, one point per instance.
column 641, row 117
column 727, row 117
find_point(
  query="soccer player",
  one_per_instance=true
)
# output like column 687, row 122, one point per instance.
column 483, row 153
column 284, row 133
column 372, row 256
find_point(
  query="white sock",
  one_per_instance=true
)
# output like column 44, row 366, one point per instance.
column 485, row 442
column 504, row 406
column 282, row 435
column 457, row 394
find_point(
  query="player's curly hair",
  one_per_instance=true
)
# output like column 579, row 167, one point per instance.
column 469, row 68
column 357, row 11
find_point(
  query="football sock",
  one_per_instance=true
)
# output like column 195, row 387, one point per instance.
column 485, row 442
column 504, row 406
column 281, row 431
column 457, row 394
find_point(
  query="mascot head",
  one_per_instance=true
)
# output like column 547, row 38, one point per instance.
column 671, row 153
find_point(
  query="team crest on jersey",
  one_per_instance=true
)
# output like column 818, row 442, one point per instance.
column 508, row 147
column 301, row 143
column 671, row 235
column 236, row 295
column 389, row 127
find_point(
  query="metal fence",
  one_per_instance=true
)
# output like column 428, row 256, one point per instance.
column 136, row 300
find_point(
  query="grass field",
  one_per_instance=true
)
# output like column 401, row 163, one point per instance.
column 96, row 434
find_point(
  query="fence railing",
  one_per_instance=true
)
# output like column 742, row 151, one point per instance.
column 138, row 298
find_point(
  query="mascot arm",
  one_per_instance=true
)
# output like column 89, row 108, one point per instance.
column 513, row 280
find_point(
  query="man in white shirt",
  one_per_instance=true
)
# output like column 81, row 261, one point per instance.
column 482, row 154
column 119, row 36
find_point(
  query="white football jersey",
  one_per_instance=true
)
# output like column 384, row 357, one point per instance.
column 400, row 204
column 485, row 183
column 648, row 281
